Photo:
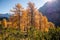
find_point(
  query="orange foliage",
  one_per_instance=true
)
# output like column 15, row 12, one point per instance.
column 25, row 18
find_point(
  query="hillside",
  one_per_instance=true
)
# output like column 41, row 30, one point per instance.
column 6, row 16
column 52, row 11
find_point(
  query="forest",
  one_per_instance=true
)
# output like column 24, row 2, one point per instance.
column 28, row 24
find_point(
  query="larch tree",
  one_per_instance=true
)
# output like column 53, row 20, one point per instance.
column 17, row 15
column 51, row 25
column 31, row 13
column 36, row 19
column 24, row 20
column 45, row 23
column 40, row 20
column 4, row 23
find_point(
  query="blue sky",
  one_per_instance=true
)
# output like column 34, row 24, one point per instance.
column 6, row 5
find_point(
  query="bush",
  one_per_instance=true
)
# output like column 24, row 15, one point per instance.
column 31, row 34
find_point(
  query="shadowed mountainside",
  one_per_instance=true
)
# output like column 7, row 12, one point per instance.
column 52, row 11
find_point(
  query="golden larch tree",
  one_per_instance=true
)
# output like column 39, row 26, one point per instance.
column 16, row 16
